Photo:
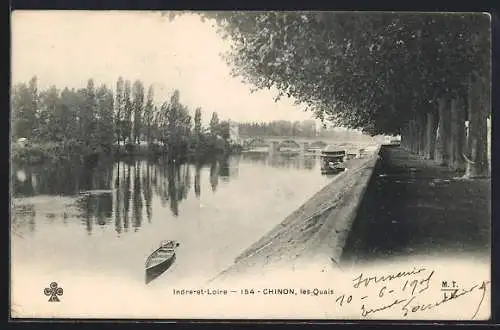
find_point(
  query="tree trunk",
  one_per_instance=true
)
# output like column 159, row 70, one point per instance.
column 457, row 134
column 404, row 138
column 415, row 137
column 416, row 142
column 402, row 134
column 479, row 108
column 407, row 137
column 443, row 132
column 430, row 140
column 421, row 134
column 410, row 136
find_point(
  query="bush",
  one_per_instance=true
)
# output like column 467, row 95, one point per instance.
column 35, row 153
column 30, row 153
column 155, row 148
column 129, row 148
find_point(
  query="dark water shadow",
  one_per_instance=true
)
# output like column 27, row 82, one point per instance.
column 119, row 192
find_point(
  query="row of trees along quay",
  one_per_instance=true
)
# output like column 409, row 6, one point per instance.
column 305, row 128
column 92, row 121
column 418, row 75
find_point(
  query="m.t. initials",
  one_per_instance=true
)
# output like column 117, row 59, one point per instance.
column 449, row 291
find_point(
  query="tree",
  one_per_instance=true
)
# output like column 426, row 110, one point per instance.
column 185, row 130
column 149, row 115
column 70, row 104
column 157, row 133
column 119, row 109
column 127, row 113
column 175, row 126
column 377, row 72
column 198, row 129
column 24, row 103
column 105, row 104
column 214, row 127
column 89, row 118
column 296, row 128
column 224, row 129
column 49, row 123
column 33, row 90
column 138, row 103
column 23, row 114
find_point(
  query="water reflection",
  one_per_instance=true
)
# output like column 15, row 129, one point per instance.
column 171, row 183
column 214, row 175
column 294, row 160
column 23, row 216
column 121, row 193
column 137, row 196
column 98, row 209
column 197, row 178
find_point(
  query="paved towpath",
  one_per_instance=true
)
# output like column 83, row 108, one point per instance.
column 416, row 207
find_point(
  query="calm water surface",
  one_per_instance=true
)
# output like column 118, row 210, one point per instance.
column 104, row 220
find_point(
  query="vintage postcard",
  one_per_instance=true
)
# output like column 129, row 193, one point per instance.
column 250, row 165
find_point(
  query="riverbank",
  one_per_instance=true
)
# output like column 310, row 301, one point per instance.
column 37, row 153
column 316, row 232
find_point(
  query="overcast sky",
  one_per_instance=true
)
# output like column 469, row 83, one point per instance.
column 68, row 48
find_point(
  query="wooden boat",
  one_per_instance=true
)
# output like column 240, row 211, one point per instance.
column 161, row 259
column 332, row 160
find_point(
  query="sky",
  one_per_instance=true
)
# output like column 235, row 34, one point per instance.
column 68, row 48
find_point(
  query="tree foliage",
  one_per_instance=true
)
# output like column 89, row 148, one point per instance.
column 138, row 109
column 371, row 71
column 95, row 119
column 149, row 116
column 127, row 113
column 214, row 125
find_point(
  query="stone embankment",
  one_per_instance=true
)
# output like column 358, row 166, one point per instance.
column 316, row 232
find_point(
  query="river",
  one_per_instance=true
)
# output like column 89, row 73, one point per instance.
column 89, row 229
column 104, row 220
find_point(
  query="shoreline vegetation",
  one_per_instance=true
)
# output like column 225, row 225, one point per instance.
column 89, row 123
column 41, row 153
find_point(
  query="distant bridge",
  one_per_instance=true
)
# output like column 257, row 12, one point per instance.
column 276, row 144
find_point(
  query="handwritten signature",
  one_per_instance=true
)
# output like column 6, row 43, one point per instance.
column 418, row 280
column 417, row 307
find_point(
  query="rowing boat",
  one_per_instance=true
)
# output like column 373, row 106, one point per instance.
column 162, row 258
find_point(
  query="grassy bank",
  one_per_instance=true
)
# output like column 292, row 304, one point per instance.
column 37, row 153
